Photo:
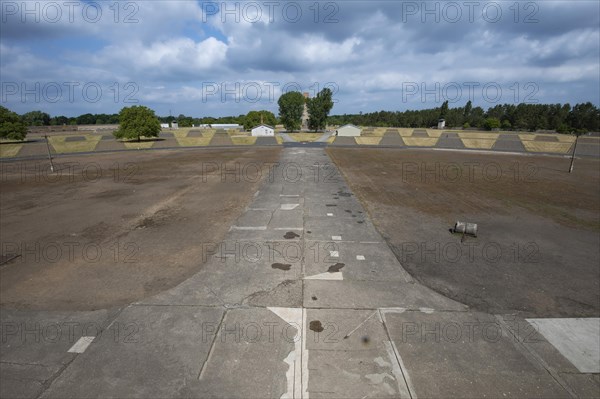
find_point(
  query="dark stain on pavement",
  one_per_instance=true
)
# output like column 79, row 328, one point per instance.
column 290, row 235
column 281, row 266
column 316, row 326
column 336, row 268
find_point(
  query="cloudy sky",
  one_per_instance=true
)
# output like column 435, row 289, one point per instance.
column 227, row 58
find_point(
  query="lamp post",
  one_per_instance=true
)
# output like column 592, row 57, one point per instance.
column 49, row 155
column 573, row 154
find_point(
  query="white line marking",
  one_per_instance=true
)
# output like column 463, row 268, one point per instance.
column 289, row 207
column 363, row 322
column 304, row 355
column 403, row 389
column 326, row 276
column 297, row 381
column 575, row 338
column 248, row 228
column 334, row 254
column 330, row 214
column 336, row 238
column 81, row 345
column 360, row 257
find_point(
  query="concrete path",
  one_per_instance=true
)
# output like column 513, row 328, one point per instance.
column 302, row 299
column 286, row 138
column 324, row 137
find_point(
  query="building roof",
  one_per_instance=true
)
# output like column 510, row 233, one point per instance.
column 349, row 124
column 270, row 127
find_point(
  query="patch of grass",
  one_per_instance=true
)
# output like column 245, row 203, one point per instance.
column 194, row 141
column 481, row 144
column 420, row 141
column 133, row 145
column 541, row 146
column 9, row 150
column 367, row 140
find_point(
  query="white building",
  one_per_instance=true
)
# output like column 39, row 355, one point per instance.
column 174, row 125
column 164, row 125
column 225, row 126
column 441, row 124
column 263, row 130
column 348, row 130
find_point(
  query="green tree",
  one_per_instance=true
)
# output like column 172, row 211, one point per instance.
column 291, row 107
column 319, row 108
column 492, row 123
column 11, row 126
column 444, row 110
column 585, row 117
column 468, row 108
column 137, row 121
column 36, row 118
column 86, row 119
column 253, row 119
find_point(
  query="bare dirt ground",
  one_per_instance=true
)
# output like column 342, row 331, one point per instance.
column 538, row 247
column 109, row 229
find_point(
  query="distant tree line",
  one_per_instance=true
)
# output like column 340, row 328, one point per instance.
column 562, row 118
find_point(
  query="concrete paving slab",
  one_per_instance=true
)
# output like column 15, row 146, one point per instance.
column 463, row 354
column 577, row 339
column 255, row 273
column 34, row 346
column 376, row 263
column 344, row 141
column 266, row 235
column 530, row 337
column 220, row 139
column 450, row 142
column 320, row 209
column 251, row 347
column 266, row 141
column 44, row 337
column 165, row 143
column 392, row 139
column 74, row 138
column 583, row 385
column 109, row 145
column 253, row 219
column 588, row 149
column 34, row 149
column 349, row 356
column 290, row 218
column 349, row 294
column 508, row 142
column 322, row 229
column 165, row 344
column 20, row 388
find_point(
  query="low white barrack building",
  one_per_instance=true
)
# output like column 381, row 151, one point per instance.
column 263, row 130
